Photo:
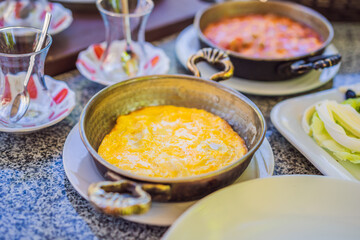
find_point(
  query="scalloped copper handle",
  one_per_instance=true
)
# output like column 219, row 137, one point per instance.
column 122, row 197
column 119, row 198
column 212, row 56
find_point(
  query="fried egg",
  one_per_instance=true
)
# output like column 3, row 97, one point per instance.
column 170, row 142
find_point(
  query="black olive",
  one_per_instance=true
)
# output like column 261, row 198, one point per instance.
column 350, row 94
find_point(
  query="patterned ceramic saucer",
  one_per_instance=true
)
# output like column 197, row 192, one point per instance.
column 61, row 17
column 89, row 63
column 63, row 102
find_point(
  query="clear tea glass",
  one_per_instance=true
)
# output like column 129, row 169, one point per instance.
column 115, row 16
column 17, row 45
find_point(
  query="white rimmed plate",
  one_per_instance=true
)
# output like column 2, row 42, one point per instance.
column 286, row 117
column 81, row 172
column 187, row 44
column 281, row 208
column 61, row 17
column 89, row 64
column 64, row 103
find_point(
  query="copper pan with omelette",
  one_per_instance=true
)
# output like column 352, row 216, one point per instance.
column 169, row 138
column 267, row 40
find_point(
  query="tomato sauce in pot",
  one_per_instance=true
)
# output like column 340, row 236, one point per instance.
column 265, row 36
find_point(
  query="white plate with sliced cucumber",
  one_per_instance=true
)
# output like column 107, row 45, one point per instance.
column 287, row 116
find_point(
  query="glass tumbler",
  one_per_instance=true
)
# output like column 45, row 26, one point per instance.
column 125, row 22
column 17, row 45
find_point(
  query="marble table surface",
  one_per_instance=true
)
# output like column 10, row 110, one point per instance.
column 38, row 202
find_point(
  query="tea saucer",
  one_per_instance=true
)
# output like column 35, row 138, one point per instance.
column 64, row 103
column 61, row 16
column 89, row 64
column 81, row 172
column 187, row 43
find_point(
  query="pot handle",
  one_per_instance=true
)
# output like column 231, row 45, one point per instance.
column 212, row 56
column 317, row 62
column 124, row 197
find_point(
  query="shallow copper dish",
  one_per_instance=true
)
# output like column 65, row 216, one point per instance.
column 133, row 193
column 270, row 69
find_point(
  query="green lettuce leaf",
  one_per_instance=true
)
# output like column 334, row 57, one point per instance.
column 354, row 102
column 324, row 140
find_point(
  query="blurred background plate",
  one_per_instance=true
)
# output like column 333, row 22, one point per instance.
column 281, row 208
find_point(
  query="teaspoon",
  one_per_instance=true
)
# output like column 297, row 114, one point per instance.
column 22, row 100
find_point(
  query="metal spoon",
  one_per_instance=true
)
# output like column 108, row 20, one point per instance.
column 129, row 59
column 22, row 100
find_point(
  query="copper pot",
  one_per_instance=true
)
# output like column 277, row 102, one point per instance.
column 128, row 193
column 278, row 68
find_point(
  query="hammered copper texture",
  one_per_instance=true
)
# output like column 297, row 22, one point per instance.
column 99, row 117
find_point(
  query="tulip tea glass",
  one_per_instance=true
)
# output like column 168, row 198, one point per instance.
column 124, row 55
column 17, row 45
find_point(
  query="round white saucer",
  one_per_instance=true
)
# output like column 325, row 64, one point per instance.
column 187, row 44
column 61, row 17
column 64, row 103
column 89, row 64
column 81, row 172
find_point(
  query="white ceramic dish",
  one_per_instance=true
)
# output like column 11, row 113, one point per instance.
column 81, row 172
column 89, row 64
column 281, row 208
column 61, row 17
column 187, row 44
column 286, row 117
column 65, row 102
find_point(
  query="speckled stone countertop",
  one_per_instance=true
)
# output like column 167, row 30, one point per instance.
column 38, row 202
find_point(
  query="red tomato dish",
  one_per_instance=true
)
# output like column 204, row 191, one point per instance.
column 265, row 36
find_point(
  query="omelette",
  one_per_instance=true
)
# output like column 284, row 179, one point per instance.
column 171, row 142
